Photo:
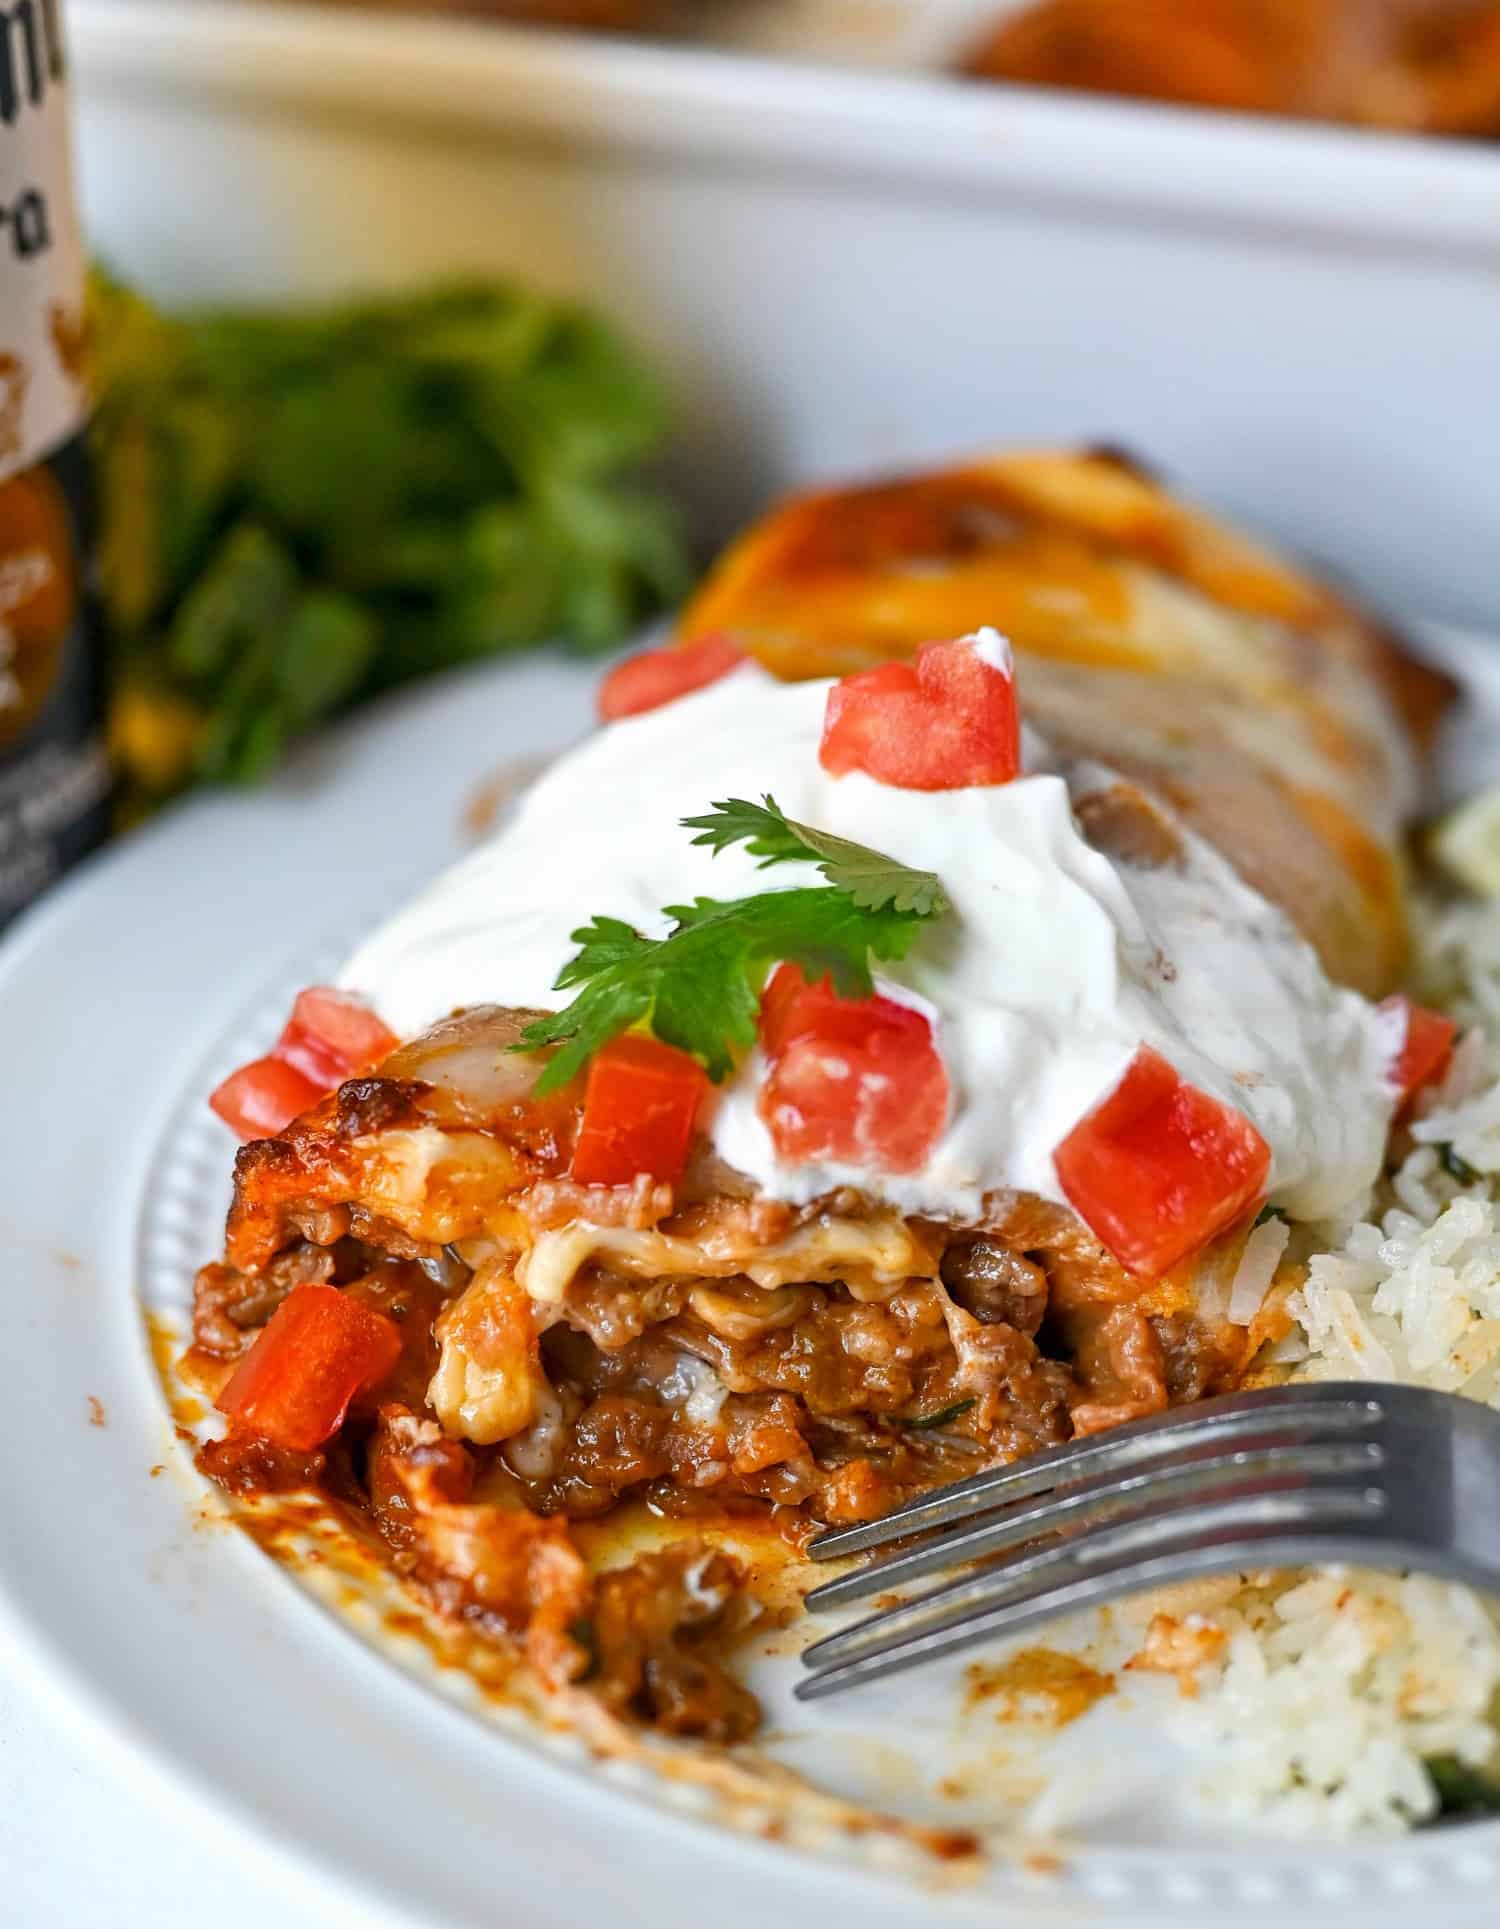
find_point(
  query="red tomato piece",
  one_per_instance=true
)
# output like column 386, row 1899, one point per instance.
column 332, row 1035
column 639, row 1108
column 263, row 1097
column 792, row 1007
column 655, row 677
column 853, row 1081
column 1425, row 1053
column 1159, row 1168
column 787, row 998
column 946, row 721
column 317, row 1350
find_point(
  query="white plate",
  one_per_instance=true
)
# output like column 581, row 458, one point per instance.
column 178, row 1637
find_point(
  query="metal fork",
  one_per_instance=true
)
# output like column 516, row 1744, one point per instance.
column 1391, row 1477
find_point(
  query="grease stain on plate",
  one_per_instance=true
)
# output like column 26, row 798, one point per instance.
column 1042, row 1685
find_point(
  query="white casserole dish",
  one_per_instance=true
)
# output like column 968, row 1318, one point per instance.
column 843, row 269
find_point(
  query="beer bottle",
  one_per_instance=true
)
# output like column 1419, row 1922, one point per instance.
column 53, row 772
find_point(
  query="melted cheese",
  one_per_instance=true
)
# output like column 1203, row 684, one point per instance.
column 874, row 1254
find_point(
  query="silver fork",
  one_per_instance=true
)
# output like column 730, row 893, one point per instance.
column 1392, row 1477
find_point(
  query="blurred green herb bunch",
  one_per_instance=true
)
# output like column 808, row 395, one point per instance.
column 298, row 509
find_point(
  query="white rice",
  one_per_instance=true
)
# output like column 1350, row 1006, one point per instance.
column 1257, row 1269
column 1335, row 1686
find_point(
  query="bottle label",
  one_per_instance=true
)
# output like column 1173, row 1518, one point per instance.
column 53, row 774
column 43, row 377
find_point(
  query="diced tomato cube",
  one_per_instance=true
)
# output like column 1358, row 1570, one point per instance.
column 654, row 677
column 1425, row 1051
column 263, row 1097
column 306, row 1052
column 946, row 721
column 1159, row 1168
column 332, row 1035
column 852, row 1081
column 315, row 1353
column 639, row 1109
column 792, row 1007
column 786, row 1003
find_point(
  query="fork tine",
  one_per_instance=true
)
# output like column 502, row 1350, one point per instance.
column 1233, row 1417
column 1023, row 1580
column 1271, row 1545
column 1091, row 1503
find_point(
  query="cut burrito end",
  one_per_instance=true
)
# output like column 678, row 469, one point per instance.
column 815, row 1093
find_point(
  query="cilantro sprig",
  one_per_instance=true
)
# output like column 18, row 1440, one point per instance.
column 870, row 878
column 699, row 987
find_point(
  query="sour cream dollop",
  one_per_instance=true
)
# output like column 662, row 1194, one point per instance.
column 1057, row 963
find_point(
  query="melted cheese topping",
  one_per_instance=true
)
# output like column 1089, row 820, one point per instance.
column 1057, row 963
column 878, row 1254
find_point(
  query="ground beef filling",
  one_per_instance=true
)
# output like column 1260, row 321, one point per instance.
column 698, row 1396
column 722, row 1388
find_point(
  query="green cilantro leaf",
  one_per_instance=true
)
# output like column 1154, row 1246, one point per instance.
column 870, row 878
column 605, row 942
column 699, row 987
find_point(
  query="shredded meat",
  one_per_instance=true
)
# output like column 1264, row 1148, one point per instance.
column 1121, row 1364
column 613, row 1311
column 651, row 1625
column 1078, row 1270
column 321, row 1225
column 477, row 1559
column 1021, row 1399
column 228, row 1306
column 698, row 1348
column 840, row 1355
column 621, row 1441
column 384, row 1235
column 244, row 1464
column 1197, row 1360
column 216, row 1290
column 641, row 1633
column 995, row 1283
column 404, row 1292
column 725, row 1223
column 559, row 1202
